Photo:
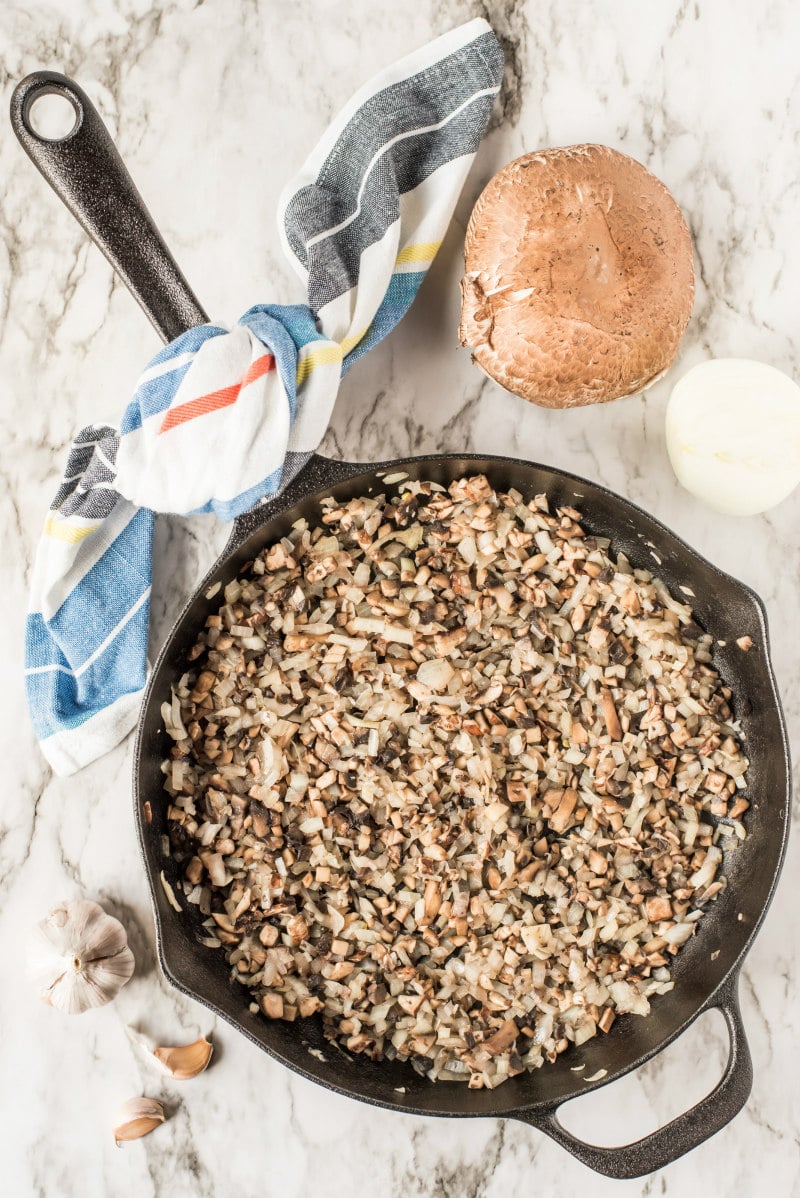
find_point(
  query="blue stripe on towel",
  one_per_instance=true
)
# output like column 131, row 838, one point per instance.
column 59, row 700
column 398, row 299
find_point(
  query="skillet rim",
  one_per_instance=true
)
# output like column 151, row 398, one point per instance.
column 319, row 475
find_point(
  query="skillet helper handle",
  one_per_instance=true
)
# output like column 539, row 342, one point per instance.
column 85, row 170
column 680, row 1136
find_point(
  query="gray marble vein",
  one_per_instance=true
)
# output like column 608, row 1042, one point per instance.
column 214, row 104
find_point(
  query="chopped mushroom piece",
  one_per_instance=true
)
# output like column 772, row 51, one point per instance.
column 503, row 1038
column 658, row 909
column 445, row 642
column 610, row 715
column 561, row 817
column 606, row 1019
column 598, row 864
column 272, row 1005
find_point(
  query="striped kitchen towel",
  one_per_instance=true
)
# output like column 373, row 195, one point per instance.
column 223, row 418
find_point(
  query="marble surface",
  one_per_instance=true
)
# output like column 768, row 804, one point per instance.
column 214, row 104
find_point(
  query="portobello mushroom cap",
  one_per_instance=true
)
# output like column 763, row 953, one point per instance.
column 579, row 279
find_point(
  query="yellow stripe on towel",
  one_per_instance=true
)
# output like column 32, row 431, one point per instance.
column 351, row 342
column 425, row 251
column 61, row 530
column 318, row 357
column 327, row 354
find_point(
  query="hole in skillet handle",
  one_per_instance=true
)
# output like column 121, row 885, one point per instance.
column 47, row 112
column 52, row 114
column 665, row 1145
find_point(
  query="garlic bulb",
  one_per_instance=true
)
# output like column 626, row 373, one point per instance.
column 79, row 957
column 136, row 1118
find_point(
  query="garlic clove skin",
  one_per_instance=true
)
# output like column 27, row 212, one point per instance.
column 185, row 1061
column 136, row 1118
column 78, row 957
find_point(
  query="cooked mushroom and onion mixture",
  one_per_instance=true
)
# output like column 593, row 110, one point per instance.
column 449, row 773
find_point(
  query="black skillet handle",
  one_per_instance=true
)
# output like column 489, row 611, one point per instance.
column 86, row 171
column 691, row 1128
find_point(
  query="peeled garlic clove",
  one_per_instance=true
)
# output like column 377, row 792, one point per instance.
column 186, row 1060
column 733, row 435
column 181, row 1061
column 79, row 957
column 136, row 1118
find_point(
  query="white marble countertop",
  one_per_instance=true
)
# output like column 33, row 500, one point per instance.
column 214, row 104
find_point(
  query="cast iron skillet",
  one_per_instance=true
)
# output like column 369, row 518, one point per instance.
column 86, row 171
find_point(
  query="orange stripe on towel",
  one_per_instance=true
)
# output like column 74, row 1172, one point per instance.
column 215, row 400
